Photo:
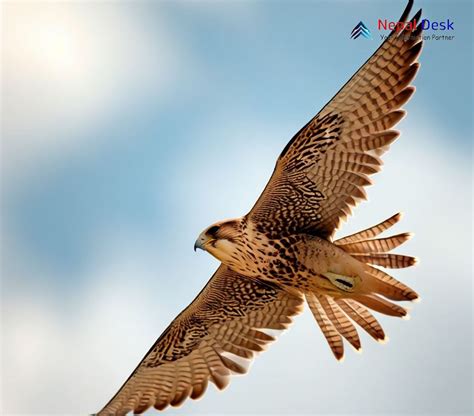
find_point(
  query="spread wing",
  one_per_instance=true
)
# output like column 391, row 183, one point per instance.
column 321, row 174
column 213, row 338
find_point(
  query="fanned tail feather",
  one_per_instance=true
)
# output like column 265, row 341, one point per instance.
column 376, row 290
column 381, row 305
column 362, row 316
column 370, row 232
column 378, row 245
column 332, row 335
column 391, row 261
column 340, row 321
column 374, row 251
column 383, row 284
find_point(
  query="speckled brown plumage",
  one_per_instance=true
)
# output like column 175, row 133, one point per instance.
column 282, row 252
column 321, row 173
column 223, row 322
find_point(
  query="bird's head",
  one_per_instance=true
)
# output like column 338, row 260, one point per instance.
column 222, row 240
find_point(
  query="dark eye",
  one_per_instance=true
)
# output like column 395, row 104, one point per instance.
column 213, row 230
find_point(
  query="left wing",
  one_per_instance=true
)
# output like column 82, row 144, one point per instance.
column 207, row 342
column 322, row 171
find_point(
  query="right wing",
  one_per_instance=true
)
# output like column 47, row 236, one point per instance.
column 206, row 342
column 321, row 174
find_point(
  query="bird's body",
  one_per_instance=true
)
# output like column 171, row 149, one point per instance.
column 283, row 252
column 296, row 261
column 308, row 264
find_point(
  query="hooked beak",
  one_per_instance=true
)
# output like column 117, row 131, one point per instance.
column 201, row 242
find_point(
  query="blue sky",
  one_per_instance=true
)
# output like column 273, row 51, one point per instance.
column 129, row 127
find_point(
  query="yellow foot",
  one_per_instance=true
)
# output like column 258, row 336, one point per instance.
column 345, row 283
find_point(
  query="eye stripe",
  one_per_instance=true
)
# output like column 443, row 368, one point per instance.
column 213, row 230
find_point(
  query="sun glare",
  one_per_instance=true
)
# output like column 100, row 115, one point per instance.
column 50, row 40
column 59, row 50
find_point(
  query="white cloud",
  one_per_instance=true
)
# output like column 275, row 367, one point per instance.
column 68, row 65
column 66, row 354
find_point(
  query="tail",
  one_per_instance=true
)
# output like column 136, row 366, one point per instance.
column 375, row 290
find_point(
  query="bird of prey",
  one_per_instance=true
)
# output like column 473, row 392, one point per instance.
column 282, row 253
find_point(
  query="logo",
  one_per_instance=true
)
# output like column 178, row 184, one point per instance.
column 446, row 27
column 441, row 29
column 411, row 26
column 397, row 26
column 361, row 30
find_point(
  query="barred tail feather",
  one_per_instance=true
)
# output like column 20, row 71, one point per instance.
column 374, row 252
column 377, row 281
column 391, row 261
column 361, row 315
column 336, row 312
column 340, row 321
column 332, row 335
column 370, row 232
column 378, row 245
column 381, row 305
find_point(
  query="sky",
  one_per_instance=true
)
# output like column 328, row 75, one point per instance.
column 128, row 127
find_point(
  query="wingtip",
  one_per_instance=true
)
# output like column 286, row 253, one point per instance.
column 341, row 358
column 407, row 11
column 418, row 14
column 383, row 340
column 417, row 300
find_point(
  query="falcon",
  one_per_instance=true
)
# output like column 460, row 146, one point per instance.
column 282, row 254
